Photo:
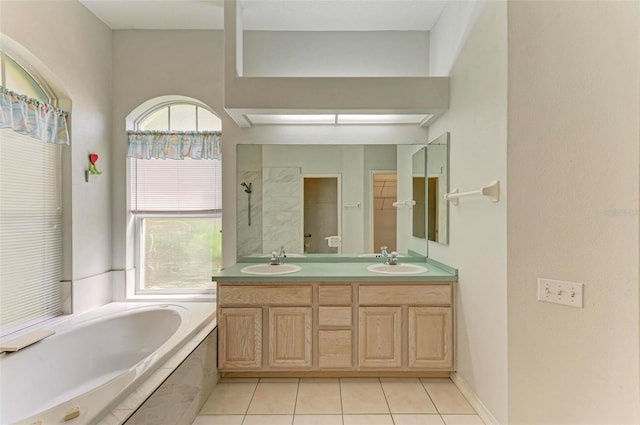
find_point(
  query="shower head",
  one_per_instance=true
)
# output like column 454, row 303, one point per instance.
column 247, row 187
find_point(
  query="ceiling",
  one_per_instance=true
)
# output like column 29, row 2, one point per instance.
column 272, row 15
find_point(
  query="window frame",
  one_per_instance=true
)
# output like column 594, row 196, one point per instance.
column 136, row 290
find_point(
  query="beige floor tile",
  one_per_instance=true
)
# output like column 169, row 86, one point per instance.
column 431, row 380
column 392, row 379
column 448, row 398
column 237, row 380
column 359, row 380
column 417, row 420
column 219, row 420
column 229, row 399
column 367, row 420
column 317, row 420
column 318, row 398
column 273, row 399
column 319, row 380
column 268, row 420
column 279, row 379
column 462, row 420
column 407, row 397
column 363, row 397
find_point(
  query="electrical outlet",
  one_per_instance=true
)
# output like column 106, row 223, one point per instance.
column 559, row 292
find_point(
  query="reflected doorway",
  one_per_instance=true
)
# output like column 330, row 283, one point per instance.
column 385, row 193
column 321, row 198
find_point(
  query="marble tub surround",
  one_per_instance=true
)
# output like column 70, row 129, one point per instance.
column 339, row 401
column 177, row 390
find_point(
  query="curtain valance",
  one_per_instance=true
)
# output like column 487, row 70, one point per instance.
column 175, row 144
column 33, row 118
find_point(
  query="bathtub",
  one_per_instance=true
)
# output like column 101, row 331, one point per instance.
column 94, row 360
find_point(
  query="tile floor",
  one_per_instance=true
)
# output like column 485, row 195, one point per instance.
column 336, row 401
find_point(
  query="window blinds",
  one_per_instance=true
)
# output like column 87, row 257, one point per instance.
column 30, row 231
column 186, row 185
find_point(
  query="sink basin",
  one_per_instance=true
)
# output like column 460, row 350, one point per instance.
column 397, row 269
column 268, row 269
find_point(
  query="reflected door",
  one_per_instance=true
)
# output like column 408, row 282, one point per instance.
column 385, row 193
column 320, row 213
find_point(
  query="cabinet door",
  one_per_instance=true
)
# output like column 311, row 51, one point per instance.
column 290, row 337
column 430, row 338
column 379, row 337
column 240, row 334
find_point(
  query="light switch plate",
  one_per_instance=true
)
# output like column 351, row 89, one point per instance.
column 559, row 292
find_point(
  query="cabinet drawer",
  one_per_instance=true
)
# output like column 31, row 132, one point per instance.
column 334, row 349
column 335, row 316
column 405, row 294
column 335, row 294
column 264, row 295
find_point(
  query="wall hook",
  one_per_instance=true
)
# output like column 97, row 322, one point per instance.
column 92, row 170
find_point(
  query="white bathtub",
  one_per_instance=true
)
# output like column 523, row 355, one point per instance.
column 94, row 360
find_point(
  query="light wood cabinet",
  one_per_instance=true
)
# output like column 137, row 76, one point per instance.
column 430, row 333
column 380, row 337
column 240, row 338
column 354, row 327
column 426, row 314
column 334, row 349
column 290, row 337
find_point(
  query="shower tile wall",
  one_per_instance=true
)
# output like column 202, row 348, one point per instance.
column 282, row 219
column 249, row 237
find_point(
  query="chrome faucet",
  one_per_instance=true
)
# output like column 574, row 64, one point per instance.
column 383, row 251
column 282, row 254
column 275, row 260
column 393, row 259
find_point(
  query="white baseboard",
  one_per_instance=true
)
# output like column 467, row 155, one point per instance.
column 473, row 399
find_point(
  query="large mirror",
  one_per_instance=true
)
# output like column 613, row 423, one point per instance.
column 301, row 197
column 437, row 185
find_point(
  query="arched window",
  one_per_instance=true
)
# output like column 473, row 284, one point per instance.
column 19, row 80
column 176, row 202
column 30, row 206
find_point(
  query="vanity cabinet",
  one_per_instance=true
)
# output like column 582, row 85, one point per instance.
column 333, row 327
column 407, row 327
column 278, row 318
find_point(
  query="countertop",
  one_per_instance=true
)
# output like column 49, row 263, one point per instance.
column 329, row 271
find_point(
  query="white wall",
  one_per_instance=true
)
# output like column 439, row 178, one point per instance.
column 336, row 53
column 73, row 51
column 573, row 186
column 478, row 230
column 450, row 33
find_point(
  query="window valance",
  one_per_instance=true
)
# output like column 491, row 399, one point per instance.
column 33, row 118
column 175, row 144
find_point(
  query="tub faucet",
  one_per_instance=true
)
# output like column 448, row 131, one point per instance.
column 383, row 251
